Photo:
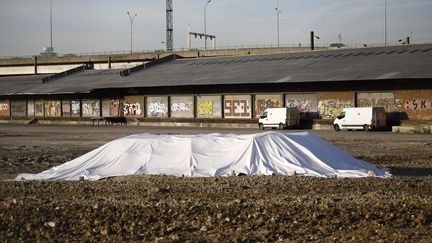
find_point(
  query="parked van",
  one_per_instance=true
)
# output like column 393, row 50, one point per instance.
column 279, row 118
column 365, row 118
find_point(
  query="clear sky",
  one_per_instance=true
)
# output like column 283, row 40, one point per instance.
column 81, row 26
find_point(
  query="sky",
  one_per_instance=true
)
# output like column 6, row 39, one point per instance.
column 83, row 26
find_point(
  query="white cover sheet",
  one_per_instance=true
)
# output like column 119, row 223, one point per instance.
column 212, row 155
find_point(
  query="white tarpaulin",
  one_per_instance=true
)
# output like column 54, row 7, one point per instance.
column 212, row 155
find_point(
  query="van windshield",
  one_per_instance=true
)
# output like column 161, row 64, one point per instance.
column 342, row 115
column 264, row 115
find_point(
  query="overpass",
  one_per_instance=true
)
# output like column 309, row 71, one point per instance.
column 49, row 65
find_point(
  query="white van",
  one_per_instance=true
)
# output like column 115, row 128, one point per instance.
column 279, row 118
column 365, row 118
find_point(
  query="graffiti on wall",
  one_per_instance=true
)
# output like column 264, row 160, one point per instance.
column 330, row 109
column 181, row 105
column 75, row 107
column 114, row 108
column 52, row 108
column 38, row 108
column 418, row 104
column 132, row 109
column 18, row 108
column 385, row 100
column 66, row 108
column 262, row 104
column 157, row 109
column 204, row 107
column 90, row 108
column 4, row 108
column 237, row 108
column 304, row 105
column 209, row 106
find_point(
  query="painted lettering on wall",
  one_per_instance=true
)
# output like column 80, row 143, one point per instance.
column 157, row 109
column 262, row 104
column 237, row 108
column 4, row 106
column 132, row 109
column 304, row 105
column 181, row 106
column 75, row 104
column 91, row 108
column 418, row 104
column 330, row 109
column 205, row 107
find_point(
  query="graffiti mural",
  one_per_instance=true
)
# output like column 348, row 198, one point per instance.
column 182, row 106
column 132, row 109
column 237, row 106
column 263, row 102
column 111, row 107
column 90, row 108
column 330, row 109
column 19, row 108
column 38, row 108
column 4, row 108
column 418, row 104
column 209, row 106
column 66, row 108
column 75, row 108
column 386, row 100
column 157, row 107
column 52, row 108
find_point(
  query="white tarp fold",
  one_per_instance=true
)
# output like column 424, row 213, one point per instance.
column 212, row 155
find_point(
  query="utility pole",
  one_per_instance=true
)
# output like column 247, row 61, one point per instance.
column 385, row 22
column 278, row 11
column 205, row 25
column 169, row 26
column 51, row 10
column 131, row 24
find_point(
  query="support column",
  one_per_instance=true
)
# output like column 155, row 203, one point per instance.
column 35, row 65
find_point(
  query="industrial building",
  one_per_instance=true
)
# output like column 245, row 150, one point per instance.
column 231, row 91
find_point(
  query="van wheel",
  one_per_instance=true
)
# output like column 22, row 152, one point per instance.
column 336, row 127
column 366, row 128
column 261, row 126
column 281, row 126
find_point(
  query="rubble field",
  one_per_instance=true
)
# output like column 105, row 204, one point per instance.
column 244, row 208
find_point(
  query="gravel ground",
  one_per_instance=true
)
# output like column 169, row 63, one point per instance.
column 164, row 208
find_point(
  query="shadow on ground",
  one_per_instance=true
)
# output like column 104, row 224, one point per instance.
column 407, row 171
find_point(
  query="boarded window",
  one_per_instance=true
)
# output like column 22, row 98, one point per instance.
column 262, row 102
column 237, row 106
column 182, row 106
column 209, row 106
column 111, row 108
column 52, row 108
column 4, row 108
column 91, row 108
column 19, row 108
column 133, row 106
column 39, row 108
column 75, row 108
column 306, row 103
column 66, row 108
column 30, row 108
column 157, row 107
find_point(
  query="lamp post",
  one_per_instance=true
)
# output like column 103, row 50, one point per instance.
column 385, row 22
column 51, row 32
column 131, row 18
column 278, row 11
column 205, row 25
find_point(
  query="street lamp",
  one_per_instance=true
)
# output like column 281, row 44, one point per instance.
column 385, row 22
column 51, row 46
column 205, row 25
column 278, row 11
column 131, row 18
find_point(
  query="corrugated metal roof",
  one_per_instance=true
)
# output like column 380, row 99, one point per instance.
column 402, row 62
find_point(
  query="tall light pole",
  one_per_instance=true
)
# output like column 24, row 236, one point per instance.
column 205, row 25
column 51, row 46
column 278, row 11
column 131, row 18
column 385, row 22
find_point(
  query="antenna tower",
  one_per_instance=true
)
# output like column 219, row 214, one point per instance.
column 169, row 26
